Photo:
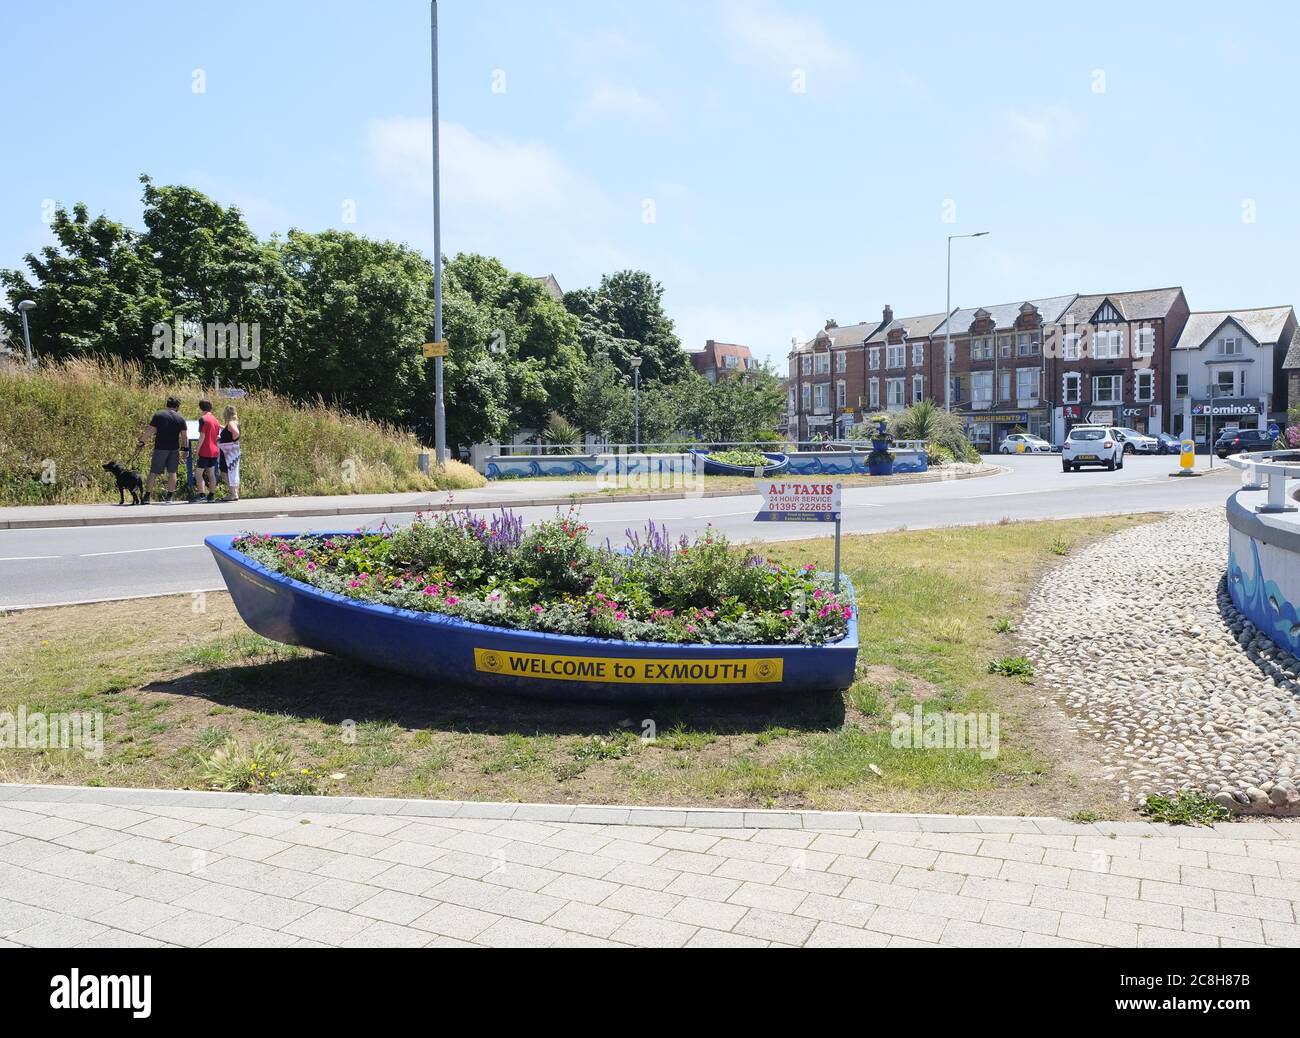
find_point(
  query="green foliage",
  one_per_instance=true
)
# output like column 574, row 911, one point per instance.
column 562, row 436
column 929, row 422
column 743, row 458
column 1012, row 667
column 623, row 318
column 1187, row 807
column 262, row 768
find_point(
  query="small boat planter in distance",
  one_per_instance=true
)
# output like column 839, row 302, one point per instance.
column 778, row 463
column 447, row 650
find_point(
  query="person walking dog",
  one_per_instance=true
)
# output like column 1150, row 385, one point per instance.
column 169, row 439
column 231, row 450
column 209, row 453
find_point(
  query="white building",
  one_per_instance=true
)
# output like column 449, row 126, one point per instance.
column 1228, row 364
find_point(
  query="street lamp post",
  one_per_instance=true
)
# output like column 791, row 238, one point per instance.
column 947, row 346
column 23, row 307
column 440, row 406
column 636, row 400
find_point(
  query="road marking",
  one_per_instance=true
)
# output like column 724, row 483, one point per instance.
column 138, row 551
column 32, row 558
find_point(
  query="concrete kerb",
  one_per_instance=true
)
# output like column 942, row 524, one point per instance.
column 659, row 817
column 138, row 516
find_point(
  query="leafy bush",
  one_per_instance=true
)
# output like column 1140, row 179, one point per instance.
column 562, row 436
column 929, row 422
column 1012, row 667
column 550, row 578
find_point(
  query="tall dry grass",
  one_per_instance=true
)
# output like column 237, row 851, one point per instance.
column 61, row 422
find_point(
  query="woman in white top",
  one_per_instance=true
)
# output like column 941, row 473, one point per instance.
column 230, row 447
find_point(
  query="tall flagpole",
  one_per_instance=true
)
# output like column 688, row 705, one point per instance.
column 440, row 407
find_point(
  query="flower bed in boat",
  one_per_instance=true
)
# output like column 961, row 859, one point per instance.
column 548, row 578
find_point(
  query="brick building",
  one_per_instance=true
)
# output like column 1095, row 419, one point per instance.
column 827, row 380
column 718, row 359
column 997, row 367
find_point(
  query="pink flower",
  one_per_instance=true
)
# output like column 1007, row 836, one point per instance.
column 825, row 612
column 620, row 616
column 538, row 610
column 431, row 591
column 300, row 554
column 354, row 584
column 311, row 567
column 453, row 601
column 787, row 613
column 691, row 628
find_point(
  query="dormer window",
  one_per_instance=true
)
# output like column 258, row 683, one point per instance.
column 1230, row 346
column 1107, row 314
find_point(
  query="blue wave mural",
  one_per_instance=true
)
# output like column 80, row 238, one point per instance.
column 837, row 463
column 1263, row 602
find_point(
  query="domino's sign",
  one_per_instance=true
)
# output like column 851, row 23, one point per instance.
column 797, row 502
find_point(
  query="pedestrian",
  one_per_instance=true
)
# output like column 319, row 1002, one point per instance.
column 169, row 436
column 230, row 450
column 205, row 475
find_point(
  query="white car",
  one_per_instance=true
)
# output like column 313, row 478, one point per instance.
column 1091, row 445
column 1032, row 445
column 1136, row 442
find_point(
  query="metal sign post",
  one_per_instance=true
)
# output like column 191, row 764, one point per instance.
column 804, row 503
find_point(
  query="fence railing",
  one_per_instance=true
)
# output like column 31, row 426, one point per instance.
column 1266, row 471
column 547, row 450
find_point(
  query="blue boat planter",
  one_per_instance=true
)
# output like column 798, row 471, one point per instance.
column 451, row 651
column 779, row 463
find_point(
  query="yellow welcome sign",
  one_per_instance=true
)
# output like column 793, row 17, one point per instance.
column 629, row 671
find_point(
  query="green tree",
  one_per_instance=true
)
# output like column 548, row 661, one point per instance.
column 96, row 291
column 356, row 312
column 603, row 401
column 624, row 317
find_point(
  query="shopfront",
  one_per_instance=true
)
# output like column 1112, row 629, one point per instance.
column 1145, row 418
column 1210, row 419
column 987, row 429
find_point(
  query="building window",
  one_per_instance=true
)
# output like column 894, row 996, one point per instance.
column 1180, row 386
column 1230, row 346
column 875, row 359
column 918, row 388
column 918, row 355
column 1107, row 345
column 895, row 357
column 805, row 364
column 981, row 388
column 1072, row 388
column 954, row 389
column 1004, row 386
column 1227, row 383
column 842, row 361
column 873, row 393
column 896, row 393
column 841, row 394
column 1144, row 385
column 821, row 397
column 1146, row 342
column 821, row 363
column 1004, row 346
column 1107, row 389
column 981, row 349
column 790, row 408
column 806, row 396
column 1027, row 345
column 1028, row 382
column 1070, row 346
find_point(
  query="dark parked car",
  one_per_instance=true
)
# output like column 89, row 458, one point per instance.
column 1241, row 441
column 1169, row 443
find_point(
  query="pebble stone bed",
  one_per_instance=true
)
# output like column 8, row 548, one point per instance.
column 1141, row 643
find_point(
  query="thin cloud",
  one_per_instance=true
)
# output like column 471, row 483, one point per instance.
column 1036, row 134
column 763, row 33
column 609, row 100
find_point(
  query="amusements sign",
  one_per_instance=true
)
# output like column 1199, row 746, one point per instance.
column 799, row 502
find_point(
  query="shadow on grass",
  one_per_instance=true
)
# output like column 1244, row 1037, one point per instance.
column 330, row 690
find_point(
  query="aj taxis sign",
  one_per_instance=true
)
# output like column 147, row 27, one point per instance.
column 799, row 502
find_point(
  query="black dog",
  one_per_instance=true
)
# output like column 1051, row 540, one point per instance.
column 125, row 481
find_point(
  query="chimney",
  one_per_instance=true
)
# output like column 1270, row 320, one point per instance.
column 889, row 315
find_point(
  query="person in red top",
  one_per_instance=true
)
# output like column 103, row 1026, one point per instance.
column 205, row 476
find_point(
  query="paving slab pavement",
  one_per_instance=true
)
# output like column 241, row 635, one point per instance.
column 142, row 868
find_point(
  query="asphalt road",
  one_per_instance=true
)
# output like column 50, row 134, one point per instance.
column 92, row 564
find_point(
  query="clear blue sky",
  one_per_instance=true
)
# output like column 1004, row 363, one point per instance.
column 1108, row 146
